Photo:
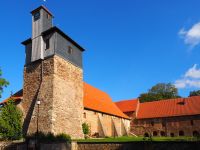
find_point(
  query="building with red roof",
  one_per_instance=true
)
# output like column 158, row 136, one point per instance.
column 93, row 99
column 128, row 105
column 56, row 99
column 171, row 117
column 99, row 110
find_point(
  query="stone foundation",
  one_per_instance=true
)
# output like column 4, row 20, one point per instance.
column 140, row 146
column 108, row 146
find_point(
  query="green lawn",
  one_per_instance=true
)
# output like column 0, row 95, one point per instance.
column 132, row 139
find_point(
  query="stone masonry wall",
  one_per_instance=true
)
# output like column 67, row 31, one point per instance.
column 37, row 89
column 67, row 98
column 139, row 146
column 59, row 87
column 105, row 124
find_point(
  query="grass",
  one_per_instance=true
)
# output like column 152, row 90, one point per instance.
column 135, row 139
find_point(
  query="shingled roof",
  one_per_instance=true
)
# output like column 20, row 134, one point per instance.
column 94, row 99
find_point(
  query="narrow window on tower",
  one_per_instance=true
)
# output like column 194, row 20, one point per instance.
column 70, row 50
column 47, row 43
column 36, row 16
column 48, row 16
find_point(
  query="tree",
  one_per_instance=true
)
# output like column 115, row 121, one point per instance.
column 3, row 83
column 10, row 121
column 86, row 129
column 160, row 91
column 194, row 93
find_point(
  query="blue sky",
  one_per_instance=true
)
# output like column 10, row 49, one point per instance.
column 130, row 44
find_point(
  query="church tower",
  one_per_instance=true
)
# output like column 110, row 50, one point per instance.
column 53, row 79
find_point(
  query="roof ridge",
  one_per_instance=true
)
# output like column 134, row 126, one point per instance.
column 136, row 99
column 157, row 101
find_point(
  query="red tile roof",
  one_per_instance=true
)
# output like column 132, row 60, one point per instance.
column 127, row 105
column 97, row 100
column 15, row 98
column 94, row 99
column 169, row 108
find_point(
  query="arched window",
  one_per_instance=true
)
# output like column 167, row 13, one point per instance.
column 162, row 133
column 195, row 134
column 146, row 135
column 155, row 133
column 181, row 133
column 172, row 134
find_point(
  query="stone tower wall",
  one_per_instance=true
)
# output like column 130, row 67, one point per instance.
column 59, row 87
column 67, row 98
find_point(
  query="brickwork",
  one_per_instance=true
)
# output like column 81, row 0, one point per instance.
column 139, row 146
column 173, row 126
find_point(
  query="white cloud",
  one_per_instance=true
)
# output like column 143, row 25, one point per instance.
column 184, row 83
column 180, row 84
column 192, row 36
column 193, row 72
column 190, row 79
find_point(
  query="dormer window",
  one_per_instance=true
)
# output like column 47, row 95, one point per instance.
column 36, row 16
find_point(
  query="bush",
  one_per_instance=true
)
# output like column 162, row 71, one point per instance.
column 49, row 137
column 63, row 137
column 85, row 128
column 10, row 122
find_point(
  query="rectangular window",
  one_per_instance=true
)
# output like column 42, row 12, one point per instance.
column 192, row 122
column 163, row 124
column 47, row 43
column 70, row 50
column 48, row 16
column 84, row 115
